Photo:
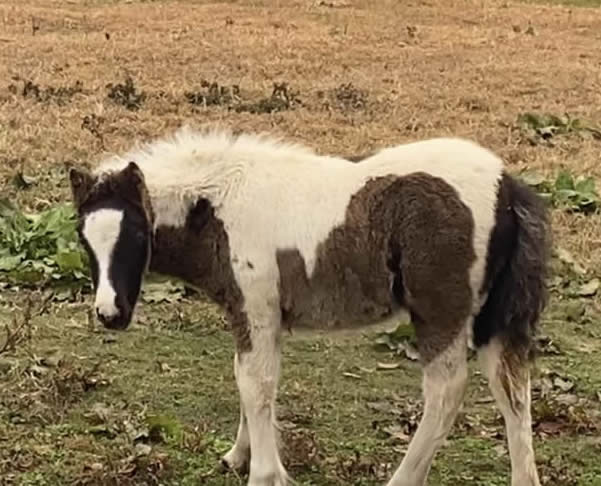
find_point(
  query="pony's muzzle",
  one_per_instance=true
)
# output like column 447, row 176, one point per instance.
column 112, row 317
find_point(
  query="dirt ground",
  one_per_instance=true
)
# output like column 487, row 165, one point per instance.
column 157, row 405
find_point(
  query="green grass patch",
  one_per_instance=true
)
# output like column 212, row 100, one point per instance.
column 158, row 404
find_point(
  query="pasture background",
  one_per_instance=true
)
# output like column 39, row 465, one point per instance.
column 158, row 404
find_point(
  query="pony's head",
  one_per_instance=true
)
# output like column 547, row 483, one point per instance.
column 115, row 227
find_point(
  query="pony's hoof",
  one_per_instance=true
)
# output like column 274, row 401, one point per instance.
column 279, row 478
column 234, row 462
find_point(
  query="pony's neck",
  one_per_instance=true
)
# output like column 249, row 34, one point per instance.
column 197, row 252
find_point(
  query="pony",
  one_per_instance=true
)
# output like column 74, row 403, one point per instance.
column 282, row 237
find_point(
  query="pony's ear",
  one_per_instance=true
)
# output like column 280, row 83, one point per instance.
column 133, row 177
column 133, row 187
column 81, row 184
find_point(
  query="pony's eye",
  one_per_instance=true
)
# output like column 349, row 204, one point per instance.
column 140, row 236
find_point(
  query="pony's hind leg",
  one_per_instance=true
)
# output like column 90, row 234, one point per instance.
column 509, row 381
column 238, row 457
column 444, row 383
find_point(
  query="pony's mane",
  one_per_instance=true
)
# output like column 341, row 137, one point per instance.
column 188, row 147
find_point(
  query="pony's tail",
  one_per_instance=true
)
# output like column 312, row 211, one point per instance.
column 518, row 292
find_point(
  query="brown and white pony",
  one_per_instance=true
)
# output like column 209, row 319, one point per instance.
column 282, row 237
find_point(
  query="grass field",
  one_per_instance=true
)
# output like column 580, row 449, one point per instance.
column 158, row 404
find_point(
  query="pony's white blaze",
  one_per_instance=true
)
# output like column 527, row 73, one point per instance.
column 101, row 230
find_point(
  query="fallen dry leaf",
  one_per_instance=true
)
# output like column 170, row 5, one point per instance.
column 589, row 289
column 562, row 384
column 387, row 366
column 397, row 432
column 143, row 449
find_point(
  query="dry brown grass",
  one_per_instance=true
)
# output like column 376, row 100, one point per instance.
column 425, row 69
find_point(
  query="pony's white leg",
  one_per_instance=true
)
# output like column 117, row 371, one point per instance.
column 258, row 375
column 239, row 455
column 444, row 384
column 509, row 380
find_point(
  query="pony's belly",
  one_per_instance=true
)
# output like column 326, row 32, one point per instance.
column 349, row 329
column 336, row 311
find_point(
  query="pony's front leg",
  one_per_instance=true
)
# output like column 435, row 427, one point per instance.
column 258, row 370
column 238, row 456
